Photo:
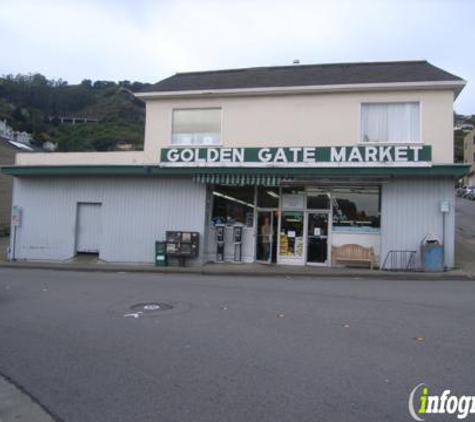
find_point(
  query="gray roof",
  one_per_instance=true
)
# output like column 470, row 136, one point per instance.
column 306, row 75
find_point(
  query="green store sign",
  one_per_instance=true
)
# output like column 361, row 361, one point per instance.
column 343, row 156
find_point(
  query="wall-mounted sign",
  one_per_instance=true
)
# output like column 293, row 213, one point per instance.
column 343, row 156
column 290, row 201
column 445, row 206
column 16, row 216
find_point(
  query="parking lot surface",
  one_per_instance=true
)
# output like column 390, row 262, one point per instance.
column 465, row 235
column 142, row 347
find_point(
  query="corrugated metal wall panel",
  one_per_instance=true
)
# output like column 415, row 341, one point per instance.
column 135, row 213
column 411, row 210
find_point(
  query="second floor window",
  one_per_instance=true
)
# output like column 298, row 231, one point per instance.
column 199, row 126
column 390, row 122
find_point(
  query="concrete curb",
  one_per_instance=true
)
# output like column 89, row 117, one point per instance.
column 239, row 270
column 18, row 406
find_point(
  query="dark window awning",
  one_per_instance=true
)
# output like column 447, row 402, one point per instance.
column 238, row 179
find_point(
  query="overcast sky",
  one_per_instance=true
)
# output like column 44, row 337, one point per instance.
column 145, row 40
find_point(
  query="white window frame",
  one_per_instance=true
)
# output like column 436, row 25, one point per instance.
column 170, row 138
column 360, row 122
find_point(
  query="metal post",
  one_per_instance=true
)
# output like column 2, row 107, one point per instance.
column 443, row 240
column 14, row 244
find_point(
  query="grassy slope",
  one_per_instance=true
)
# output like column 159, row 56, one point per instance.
column 121, row 119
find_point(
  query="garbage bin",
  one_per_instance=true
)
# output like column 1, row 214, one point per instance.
column 432, row 254
column 161, row 254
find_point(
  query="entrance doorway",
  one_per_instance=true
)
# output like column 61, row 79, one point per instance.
column 88, row 228
column 317, row 238
column 266, row 244
column 291, row 238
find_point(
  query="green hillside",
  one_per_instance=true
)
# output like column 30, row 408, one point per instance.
column 36, row 105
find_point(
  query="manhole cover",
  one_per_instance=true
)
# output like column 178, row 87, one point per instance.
column 151, row 307
column 143, row 307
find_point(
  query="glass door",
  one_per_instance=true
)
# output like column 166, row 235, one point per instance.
column 291, row 238
column 317, row 237
column 266, row 233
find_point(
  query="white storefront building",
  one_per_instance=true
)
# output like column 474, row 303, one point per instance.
column 303, row 158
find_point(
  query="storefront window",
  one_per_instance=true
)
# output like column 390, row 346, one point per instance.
column 267, row 197
column 318, row 199
column 233, row 204
column 356, row 209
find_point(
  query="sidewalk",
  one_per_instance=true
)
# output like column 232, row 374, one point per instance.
column 4, row 242
column 230, row 269
column 17, row 406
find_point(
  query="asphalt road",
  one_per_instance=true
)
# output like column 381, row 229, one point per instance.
column 465, row 234
column 233, row 349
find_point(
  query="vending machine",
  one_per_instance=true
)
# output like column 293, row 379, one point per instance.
column 220, row 228
column 237, row 238
column 182, row 245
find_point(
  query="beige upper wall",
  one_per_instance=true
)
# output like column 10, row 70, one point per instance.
column 80, row 158
column 303, row 120
column 276, row 120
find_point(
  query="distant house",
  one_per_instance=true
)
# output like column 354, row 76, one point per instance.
column 6, row 131
column 124, row 146
column 469, row 156
column 49, row 146
column 8, row 150
column 23, row 137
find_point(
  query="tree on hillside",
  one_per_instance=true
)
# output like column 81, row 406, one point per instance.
column 35, row 104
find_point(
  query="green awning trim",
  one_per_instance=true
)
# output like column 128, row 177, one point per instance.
column 250, row 175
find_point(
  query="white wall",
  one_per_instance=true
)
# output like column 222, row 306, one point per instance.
column 135, row 213
column 410, row 210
